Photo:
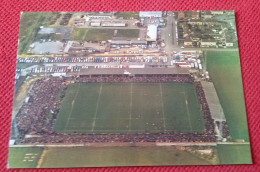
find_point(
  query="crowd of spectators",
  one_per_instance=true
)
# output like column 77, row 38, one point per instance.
column 38, row 112
column 38, row 115
column 209, row 122
column 102, row 138
column 223, row 129
column 140, row 78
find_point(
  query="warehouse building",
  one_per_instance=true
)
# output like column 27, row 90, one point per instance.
column 150, row 14
column 113, row 24
column 151, row 32
column 120, row 43
column 128, row 43
column 62, row 31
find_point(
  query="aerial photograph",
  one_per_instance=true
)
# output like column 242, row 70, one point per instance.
column 147, row 88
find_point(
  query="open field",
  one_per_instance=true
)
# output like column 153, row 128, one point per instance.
column 24, row 157
column 234, row 154
column 129, row 33
column 98, row 34
column 84, row 34
column 117, row 156
column 130, row 108
column 128, row 15
column 224, row 70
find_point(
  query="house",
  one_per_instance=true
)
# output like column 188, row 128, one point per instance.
column 181, row 15
column 229, row 42
column 217, row 12
column 195, row 22
column 195, row 15
column 185, row 29
column 139, row 43
column 188, row 42
column 208, row 43
column 207, row 15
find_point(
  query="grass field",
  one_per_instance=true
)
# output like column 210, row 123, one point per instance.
column 128, row 15
column 130, row 108
column 234, row 154
column 118, row 156
column 224, row 70
column 97, row 34
column 129, row 33
column 24, row 157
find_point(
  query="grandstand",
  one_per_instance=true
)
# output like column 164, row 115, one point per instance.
column 215, row 107
column 132, row 71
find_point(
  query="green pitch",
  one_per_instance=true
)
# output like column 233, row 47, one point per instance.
column 118, row 156
column 130, row 108
column 24, row 157
column 225, row 72
column 103, row 34
column 234, row 154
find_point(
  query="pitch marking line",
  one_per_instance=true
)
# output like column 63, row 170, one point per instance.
column 120, row 98
column 131, row 105
column 162, row 107
column 72, row 106
column 143, row 131
column 187, row 108
column 94, row 119
column 39, row 164
column 188, row 113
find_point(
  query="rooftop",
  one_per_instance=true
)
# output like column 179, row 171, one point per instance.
column 151, row 32
column 215, row 108
column 150, row 13
column 134, row 71
column 66, row 32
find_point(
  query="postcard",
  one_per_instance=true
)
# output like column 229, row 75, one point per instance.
column 148, row 88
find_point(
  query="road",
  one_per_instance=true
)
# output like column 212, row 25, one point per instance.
column 130, row 144
column 89, row 64
column 169, row 34
column 170, row 47
column 209, row 49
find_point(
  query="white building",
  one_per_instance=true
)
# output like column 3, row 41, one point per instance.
column 207, row 15
column 229, row 44
column 187, row 42
column 100, row 15
column 151, row 32
column 208, row 43
column 95, row 24
column 150, row 14
column 217, row 12
column 113, row 24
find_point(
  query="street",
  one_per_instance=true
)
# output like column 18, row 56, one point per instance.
column 169, row 34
